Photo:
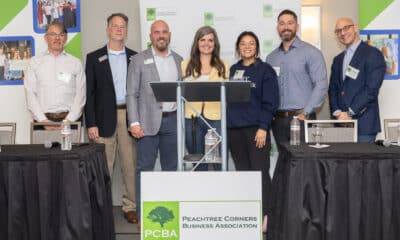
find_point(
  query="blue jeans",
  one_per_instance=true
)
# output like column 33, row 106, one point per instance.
column 200, row 130
column 148, row 147
column 366, row 138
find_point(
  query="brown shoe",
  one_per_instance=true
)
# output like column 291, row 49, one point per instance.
column 130, row 216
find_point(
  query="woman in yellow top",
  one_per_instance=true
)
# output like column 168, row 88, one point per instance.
column 204, row 65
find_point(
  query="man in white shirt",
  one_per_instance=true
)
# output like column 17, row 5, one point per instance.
column 55, row 84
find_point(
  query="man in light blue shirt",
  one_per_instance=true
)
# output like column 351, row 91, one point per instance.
column 105, row 111
column 301, row 74
column 119, row 68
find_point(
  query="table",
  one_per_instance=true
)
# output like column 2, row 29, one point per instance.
column 348, row 191
column 51, row 194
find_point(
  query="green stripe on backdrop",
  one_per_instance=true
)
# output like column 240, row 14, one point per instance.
column 74, row 46
column 370, row 9
column 9, row 9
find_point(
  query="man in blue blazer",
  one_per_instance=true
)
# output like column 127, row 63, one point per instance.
column 153, row 123
column 105, row 110
column 356, row 76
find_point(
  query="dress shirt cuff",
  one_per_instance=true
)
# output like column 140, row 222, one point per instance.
column 336, row 112
column 134, row 124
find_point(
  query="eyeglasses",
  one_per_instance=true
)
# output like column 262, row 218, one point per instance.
column 343, row 29
column 53, row 34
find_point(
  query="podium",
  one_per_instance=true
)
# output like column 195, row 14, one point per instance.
column 205, row 91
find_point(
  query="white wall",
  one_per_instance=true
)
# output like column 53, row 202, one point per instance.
column 94, row 21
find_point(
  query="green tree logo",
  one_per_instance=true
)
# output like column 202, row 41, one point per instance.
column 161, row 215
column 151, row 14
column 267, row 10
column 208, row 18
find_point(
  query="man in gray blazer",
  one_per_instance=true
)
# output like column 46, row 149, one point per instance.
column 153, row 123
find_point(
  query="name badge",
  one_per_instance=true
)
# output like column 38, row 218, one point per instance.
column 148, row 61
column 238, row 74
column 277, row 70
column 352, row 72
column 64, row 77
column 102, row 58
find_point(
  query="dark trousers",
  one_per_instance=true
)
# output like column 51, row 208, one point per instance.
column 148, row 147
column 247, row 157
column 281, row 128
column 366, row 138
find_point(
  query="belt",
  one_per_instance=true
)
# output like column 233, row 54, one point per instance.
column 283, row 114
column 121, row 106
column 167, row 114
column 56, row 115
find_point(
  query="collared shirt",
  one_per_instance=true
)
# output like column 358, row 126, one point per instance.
column 349, row 53
column 168, row 72
column 55, row 84
column 301, row 74
column 119, row 68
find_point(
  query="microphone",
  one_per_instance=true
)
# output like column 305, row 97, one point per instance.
column 384, row 142
column 48, row 144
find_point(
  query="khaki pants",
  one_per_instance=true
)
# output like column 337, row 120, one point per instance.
column 126, row 146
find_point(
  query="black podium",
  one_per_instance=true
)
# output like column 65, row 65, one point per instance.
column 206, row 91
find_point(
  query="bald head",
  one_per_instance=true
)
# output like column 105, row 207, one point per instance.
column 346, row 31
column 157, row 24
column 160, row 37
column 344, row 21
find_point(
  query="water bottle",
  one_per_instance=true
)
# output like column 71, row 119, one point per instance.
column 66, row 136
column 210, row 140
column 295, row 131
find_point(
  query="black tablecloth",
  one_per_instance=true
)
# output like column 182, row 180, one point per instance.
column 49, row 194
column 344, row 192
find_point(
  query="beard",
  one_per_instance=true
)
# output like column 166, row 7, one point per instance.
column 161, row 46
column 287, row 35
